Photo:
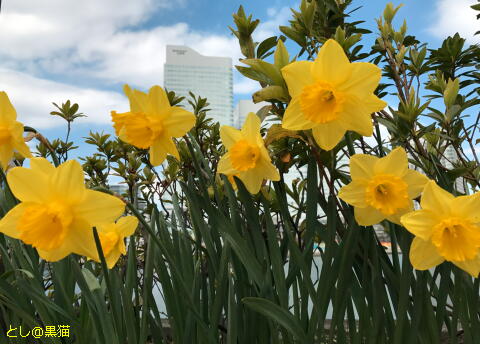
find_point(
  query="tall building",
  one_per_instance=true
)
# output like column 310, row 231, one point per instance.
column 206, row 76
column 243, row 107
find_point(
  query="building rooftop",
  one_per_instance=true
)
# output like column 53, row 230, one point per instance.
column 185, row 56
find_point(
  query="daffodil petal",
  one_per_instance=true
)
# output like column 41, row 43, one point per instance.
column 79, row 240
column 251, row 180
column 373, row 104
column 294, row 118
column 99, row 208
column 395, row 163
column 354, row 193
column 328, row 135
column 8, row 223
column 68, row 179
column 28, row 185
column 6, row 154
column 467, row 206
column 23, row 149
column 127, row 225
column 166, row 144
column 16, row 129
column 54, row 255
column 157, row 100
column 331, row 64
column 266, row 169
column 135, row 103
column 355, row 118
column 362, row 166
column 368, row 216
column 179, row 121
column 118, row 120
column 363, row 79
column 471, row 266
column 436, row 199
column 225, row 165
column 112, row 258
column 416, row 182
column 251, row 128
column 157, row 153
column 395, row 218
column 297, row 75
column 229, row 135
column 424, row 255
column 420, row 223
column 42, row 165
column 7, row 111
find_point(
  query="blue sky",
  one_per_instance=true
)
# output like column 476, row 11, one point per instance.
column 54, row 50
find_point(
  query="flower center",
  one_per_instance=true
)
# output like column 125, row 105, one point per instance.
column 387, row 193
column 138, row 130
column 156, row 125
column 244, row 155
column 5, row 135
column 320, row 102
column 108, row 240
column 457, row 239
column 45, row 226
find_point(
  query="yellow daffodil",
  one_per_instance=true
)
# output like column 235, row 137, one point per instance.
column 331, row 95
column 446, row 228
column 111, row 238
column 152, row 123
column 11, row 133
column 246, row 157
column 57, row 212
column 382, row 188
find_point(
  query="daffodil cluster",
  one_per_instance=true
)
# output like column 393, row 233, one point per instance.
column 447, row 228
column 329, row 96
column 57, row 213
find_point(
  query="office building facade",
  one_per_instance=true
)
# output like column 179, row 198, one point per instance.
column 243, row 108
column 207, row 76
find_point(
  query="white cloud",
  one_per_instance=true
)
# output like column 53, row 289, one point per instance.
column 101, row 43
column 269, row 28
column 41, row 28
column 453, row 16
column 245, row 86
column 137, row 57
column 101, row 40
column 32, row 98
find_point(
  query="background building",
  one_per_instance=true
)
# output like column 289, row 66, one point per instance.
column 243, row 107
column 206, row 76
column 449, row 160
column 122, row 190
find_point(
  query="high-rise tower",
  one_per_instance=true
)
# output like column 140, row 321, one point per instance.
column 206, row 76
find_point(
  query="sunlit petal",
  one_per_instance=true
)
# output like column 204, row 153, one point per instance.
column 297, row 75
column 423, row 255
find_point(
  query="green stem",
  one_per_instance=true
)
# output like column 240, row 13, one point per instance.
column 107, row 278
column 348, row 139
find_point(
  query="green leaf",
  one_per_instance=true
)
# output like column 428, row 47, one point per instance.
column 267, row 69
column 91, row 280
column 277, row 314
column 281, row 56
column 451, row 92
column 276, row 132
column 264, row 47
column 271, row 93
